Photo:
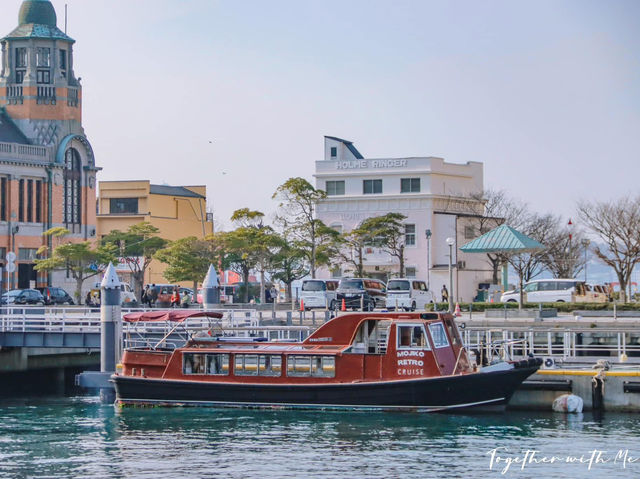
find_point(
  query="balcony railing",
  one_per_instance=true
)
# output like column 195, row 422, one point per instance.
column 16, row 151
column 46, row 95
column 14, row 95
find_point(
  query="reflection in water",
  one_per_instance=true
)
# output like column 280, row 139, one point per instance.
column 78, row 437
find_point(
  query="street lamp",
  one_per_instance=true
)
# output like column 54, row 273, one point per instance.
column 428, row 235
column 569, row 264
column 585, row 243
column 450, row 242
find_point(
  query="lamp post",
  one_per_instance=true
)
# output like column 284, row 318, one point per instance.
column 585, row 243
column 569, row 252
column 450, row 242
column 428, row 235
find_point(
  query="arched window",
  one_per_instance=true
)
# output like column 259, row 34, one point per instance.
column 72, row 189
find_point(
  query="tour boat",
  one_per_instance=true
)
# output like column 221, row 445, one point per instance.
column 359, row 361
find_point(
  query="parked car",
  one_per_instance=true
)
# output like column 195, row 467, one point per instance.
column 127, row 296
column 23, row 296
column 54, row 295
column 318, row 293
column 408, row 294
column 546, row 291
column 357, row 292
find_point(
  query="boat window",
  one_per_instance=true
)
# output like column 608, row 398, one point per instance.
column 245, row 365
column 412, row 337
column 307, row 366
column 270, row 365
column 218, row 364
column 212, row 364
column 438, row 335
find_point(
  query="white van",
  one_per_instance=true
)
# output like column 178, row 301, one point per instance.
column 318, row 293
column 546, row 291
column 409, row 294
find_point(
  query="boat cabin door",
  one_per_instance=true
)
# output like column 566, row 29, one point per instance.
column 442, row 349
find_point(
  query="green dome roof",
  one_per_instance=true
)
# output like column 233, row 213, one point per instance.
column 40, row 12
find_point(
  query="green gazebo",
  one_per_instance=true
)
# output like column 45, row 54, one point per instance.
column 507, row 240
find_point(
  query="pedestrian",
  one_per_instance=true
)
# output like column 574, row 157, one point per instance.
column 88, row 300
column 145, row 299
column 153, row 296
column 445, row 294
column 267, row 295
column 175, row 298
column 274, row 294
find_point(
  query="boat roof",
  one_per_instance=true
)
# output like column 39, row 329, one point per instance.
column 169, row 315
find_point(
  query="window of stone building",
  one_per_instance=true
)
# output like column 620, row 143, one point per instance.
column 334, row 152
column 3, row 199
column 27, row 254
column 72, row 189
column 21, row 57
column 63, row 62
column 38, row 201
column 469, row 232
column 371, row 187
column 21, row 200
column 30, row 201
column 44, row 77
column 43, row 57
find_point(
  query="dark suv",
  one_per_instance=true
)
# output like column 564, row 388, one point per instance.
column 22, row 296
column 356, row 292
column 53, row 295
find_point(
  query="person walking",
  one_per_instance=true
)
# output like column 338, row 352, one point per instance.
column 445, row 294
column 153, row 296
column 146, row 296
column 175, row 298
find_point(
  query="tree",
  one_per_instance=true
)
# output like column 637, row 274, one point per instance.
column 388, row 233
column 82, row 259
column 137, row 245
column 352, row 247
column 257, row 242
column 617, row 225
column 497, row 208
column 298, row 201
column 288, row 264
column 188, row 259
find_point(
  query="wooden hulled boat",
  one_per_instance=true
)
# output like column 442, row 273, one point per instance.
column 371, row 361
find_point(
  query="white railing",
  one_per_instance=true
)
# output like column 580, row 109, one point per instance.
column 557, row 343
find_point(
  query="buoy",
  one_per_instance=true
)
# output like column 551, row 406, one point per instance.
column 457, row 311
column 344, row 305
column 302, row 305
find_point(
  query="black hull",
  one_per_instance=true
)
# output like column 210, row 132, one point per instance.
column 428, row 394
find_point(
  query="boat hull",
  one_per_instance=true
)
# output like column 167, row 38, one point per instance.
column 476, row 390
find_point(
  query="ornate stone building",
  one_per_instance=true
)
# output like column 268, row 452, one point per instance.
column 47, row 166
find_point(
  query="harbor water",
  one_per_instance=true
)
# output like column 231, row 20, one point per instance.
column 78, row 437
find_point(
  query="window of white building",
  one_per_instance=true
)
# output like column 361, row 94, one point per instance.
column 371, row 187
column 334, row 188
column 410, row 235
column 410, row 271
column 410, row 185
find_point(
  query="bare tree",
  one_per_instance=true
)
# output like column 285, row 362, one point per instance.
column 617, row 224
column 564, row 256
column 498, row 208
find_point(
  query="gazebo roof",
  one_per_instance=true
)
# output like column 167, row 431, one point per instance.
column 503, row 239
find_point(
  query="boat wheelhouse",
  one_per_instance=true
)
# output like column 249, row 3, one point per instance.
column 388, row 361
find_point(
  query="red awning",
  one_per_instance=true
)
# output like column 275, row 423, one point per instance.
column 171, row 315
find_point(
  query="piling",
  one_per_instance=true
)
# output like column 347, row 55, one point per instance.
column 110, row 328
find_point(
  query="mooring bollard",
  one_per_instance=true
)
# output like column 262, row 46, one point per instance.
column 110, row 328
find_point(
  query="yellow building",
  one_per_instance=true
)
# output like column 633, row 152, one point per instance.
column 177, row 211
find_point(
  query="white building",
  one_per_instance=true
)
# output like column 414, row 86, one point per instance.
column 434, row 195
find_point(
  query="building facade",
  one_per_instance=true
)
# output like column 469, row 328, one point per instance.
column 47, row 165
column 177, row 211
column 435, row 196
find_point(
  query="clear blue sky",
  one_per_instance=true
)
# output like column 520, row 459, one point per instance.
column 545, row 93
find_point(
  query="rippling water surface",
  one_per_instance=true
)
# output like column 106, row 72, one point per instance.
column 78, row 437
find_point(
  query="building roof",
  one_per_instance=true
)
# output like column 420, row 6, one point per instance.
column 37, row 11
column 9, row 132
column 37, row 19
column 503, row 239
column 173, row 191
column 349, row 145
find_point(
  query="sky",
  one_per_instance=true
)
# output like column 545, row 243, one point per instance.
column 238, row 94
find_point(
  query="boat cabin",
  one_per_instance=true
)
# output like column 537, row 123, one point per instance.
column 354, row 347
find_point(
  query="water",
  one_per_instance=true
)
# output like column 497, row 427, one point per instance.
column 78, row 437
